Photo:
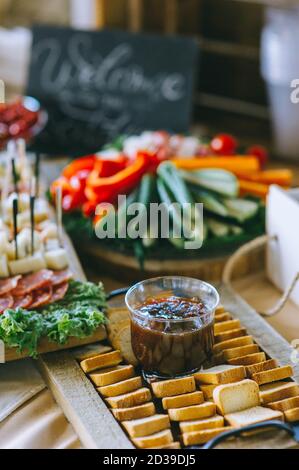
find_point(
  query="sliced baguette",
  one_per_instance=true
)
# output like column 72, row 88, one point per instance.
column 146, row 426
column 160, row 438
column 120, row 388
column 138, row 397
column 292, row 415
column 220, row 374
column 122, row 341
column 273, row 375
column 101, row 361
column 240, row 351
column 233, row 343
column 201, row 437
column 226, row 326
column 261, row 367
column 199, row 424
column 187, row 399
column 114, row 330
column 256, row 414
column 205, row 410
column 112, row 375
column 219, row 310
column 248, row 360
column 141, row 411
column 237, row 396
column 222, row 317
column 172, row 387
column 230, row 334
column 278, row 391
column 173, row 445
column 90, row 350
column 284, row 405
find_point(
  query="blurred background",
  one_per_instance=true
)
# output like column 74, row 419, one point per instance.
column 248, row 54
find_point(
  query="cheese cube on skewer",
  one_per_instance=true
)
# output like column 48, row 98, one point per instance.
column 57, row 259
column 52, row 244
column 27, row 264
column 3, row 266
column 3, row 242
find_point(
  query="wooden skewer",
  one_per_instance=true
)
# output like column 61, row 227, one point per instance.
column 36, row 173
column 58, row 203
column 15, row 224
column 14, row 174
column 32, row 204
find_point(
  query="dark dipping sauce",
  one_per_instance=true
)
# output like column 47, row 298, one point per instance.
column 169, row 348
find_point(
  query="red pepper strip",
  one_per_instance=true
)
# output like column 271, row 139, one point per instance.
column 65, row 186
column 109, row 166
column 83, row 163
column 120, row 183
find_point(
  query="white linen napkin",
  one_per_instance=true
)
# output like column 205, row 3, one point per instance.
column 19, row 381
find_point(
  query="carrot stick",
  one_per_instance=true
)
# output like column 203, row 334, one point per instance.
column 236, row 163
column 282, row 177
column 253, row 188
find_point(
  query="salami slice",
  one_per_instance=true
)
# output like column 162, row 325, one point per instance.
column 7, row 285
column 22, row 301
column 41, row 297
column 59, row 292
column 60, row 277
column 5, row 302
column 34, row 281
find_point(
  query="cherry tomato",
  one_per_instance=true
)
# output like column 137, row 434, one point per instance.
column 224, row 144
column 260, row 152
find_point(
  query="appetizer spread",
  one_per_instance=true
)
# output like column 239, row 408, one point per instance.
column 159, row 167
column 38, row 296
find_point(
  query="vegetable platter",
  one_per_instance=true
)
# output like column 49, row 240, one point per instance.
column 159, row 167
column 45, row 302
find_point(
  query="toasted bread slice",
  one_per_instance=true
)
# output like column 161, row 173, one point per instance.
column 284, row 405
column 256, row 414
column 278, row 391
column 116, row 315
column 112, row 375
column 220, row 374
column 199, row 424
column 90, row 350
column 205, row 410
column 173, row 445
column 201, row 437
column 233, row 343
column 125, row 386
column 141, row 411
column 273, row 375
column 101, row 361
column 237, row 396
column 187, row 399
column 222, row 317
column 146, row 426
column 261, row 367
column 158, row 439
column 230, row 334
column 240, row 351
column 248, row 360
column 219, row 309
column 226, row 326
column 114, row 330
column 138, row 397
column 172, row 387
column 292, row 415
column 122, row 341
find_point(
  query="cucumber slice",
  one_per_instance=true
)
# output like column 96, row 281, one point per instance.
column 241, row 209
column 210, row 202
column 220, row 181
column 218, row 228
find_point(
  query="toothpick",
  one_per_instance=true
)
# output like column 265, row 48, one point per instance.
column 21, row 150
column 36, row 172
column 14, row 175
column 15, row 224
column 32, row 204
column 59, row 214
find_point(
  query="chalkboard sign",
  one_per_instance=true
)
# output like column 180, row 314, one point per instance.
column 99, row 84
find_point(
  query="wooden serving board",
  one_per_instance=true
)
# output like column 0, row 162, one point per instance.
column 96, row 426
column 11, row 354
